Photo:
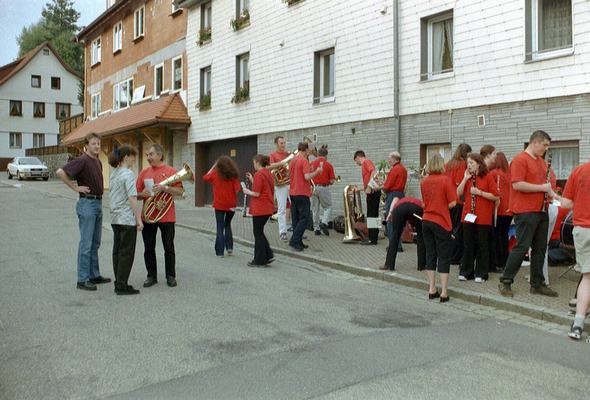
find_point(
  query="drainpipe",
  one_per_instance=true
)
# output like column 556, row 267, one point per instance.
column 396, row 71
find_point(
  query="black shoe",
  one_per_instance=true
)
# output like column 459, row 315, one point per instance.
column 444, row 299
column 296, row 247
column 255, row 265
column 99, row 280
column 318, row 232
column 86, row 286
column 126, row 290
column 432, row 296
column 367, row 242
column 150, row 282
column 171, row 281
column 324, row 229
column 304, row 246
column 270, row 260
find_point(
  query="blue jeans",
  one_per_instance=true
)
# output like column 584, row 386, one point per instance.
column 224, row 238
column 90, row 223
column 389, row 226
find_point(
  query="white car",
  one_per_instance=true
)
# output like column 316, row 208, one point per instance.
column 27, row 167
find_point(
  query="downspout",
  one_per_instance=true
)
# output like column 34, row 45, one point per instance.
column 396, row 72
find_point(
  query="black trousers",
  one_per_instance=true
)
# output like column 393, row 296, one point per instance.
column 476, row 250
column 373, row 201
column 149, row 234
column 457, row 244
column 437, row 242
column 402, row 214
column 501, row 240
column 125, row 237
column 262, row 250
column 531, row 232
column 300, row 217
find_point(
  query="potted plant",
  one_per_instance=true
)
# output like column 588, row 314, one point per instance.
column 241, row 20
column 204, row 36
column 243, row 94
column 205, row 103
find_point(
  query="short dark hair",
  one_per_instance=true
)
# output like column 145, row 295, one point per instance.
column 358, row 153
column 119, row 153
column 323, row 151
column 486, row 150
column 539, row 136
column 91, row 136
column 261, row 159
column 278, row 138
column 159, row 149
column 302, row 146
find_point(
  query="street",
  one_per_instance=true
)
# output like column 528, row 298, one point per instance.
column 291, row 331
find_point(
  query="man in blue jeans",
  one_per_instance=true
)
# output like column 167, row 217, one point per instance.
column 87, row 171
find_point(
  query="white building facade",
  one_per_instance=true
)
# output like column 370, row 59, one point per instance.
column 36, row 91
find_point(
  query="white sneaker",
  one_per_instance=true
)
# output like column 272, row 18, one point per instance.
column 479, row 280
column 462, row 278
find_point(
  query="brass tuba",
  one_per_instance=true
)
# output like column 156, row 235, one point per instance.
column 281, row 174
column 353, row 214
column 155, row 207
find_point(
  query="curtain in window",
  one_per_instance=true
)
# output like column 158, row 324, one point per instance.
column 442, row 46
column 563, row 161
column 555, row 19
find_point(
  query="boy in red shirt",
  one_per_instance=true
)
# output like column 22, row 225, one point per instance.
column 322, row 195
column 530, row 188
column 372, row 190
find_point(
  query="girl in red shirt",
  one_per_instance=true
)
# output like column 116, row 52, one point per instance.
column 480, row 194
column 261, row 208
column 500, row 173
column 223, row 176
column 439, row 196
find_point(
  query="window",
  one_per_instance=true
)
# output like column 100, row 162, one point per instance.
column 122, row 94
column 428, row 150
column 564, row 158
column 38, row 110
column 139, row 22
column 158, row 79
column 323, row 76
column 242, row 7
column 95, row 52
column 243, row 72
column 62, row 110
column 16, row 108
column 36, row 81
column 436, row 54
column 548, row 28
column 38, row 140
column 177, row 73
column 117, row 37
column 205, row 86
column 95, row 105
column 55, row 82
column 15, row 140
column 205, row 31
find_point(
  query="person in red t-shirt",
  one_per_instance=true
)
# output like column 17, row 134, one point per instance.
column 372, row 190
column 530, row 187
column 281, row 187
column 223, row 176
column 576, row 195
column 455, row 169
column 500, row 174
column 156, row 173
column 394, row 188
column 322, row 195
column 480, row 193
column 300, row 192
column 438, row 195
column 261, row 207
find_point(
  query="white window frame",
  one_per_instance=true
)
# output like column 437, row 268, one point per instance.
column 243, row 5
column 159, row 66
column 139, row 29
column 118, row 37
column 95, row 104
column 117, row 94
column 536, row 54
column 18, row 140
column 556, row 147
column 95, row 51
column 208, row 8
column 207, row 84
column 327, row 98
column 443, row 74
column 38, row 140
column 244, row 70
column 172, row 88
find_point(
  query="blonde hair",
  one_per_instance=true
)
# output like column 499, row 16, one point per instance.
column 436, row 165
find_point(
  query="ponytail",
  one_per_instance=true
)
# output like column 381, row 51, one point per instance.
column 119, row 153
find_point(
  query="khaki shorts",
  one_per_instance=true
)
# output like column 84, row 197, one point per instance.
column 582, row 244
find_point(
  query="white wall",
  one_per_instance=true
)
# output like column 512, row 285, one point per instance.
column 19, row 88
column 489, row 48
column 281, row 78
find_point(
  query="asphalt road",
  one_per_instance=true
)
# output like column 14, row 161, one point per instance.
column 292, row 331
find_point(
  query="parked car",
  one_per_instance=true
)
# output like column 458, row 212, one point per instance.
column 27, row 167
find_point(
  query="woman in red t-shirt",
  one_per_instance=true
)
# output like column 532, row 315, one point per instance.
column 261, row 208
column 223, row 176
column 480, row 195
column 500, row 173
column 438, row 196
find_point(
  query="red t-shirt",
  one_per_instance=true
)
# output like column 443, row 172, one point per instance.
column 367, row 168
column 577, row 189
column 525, row 168
column 224, row 190
column 437, row 192
column 484, row 208
column 502, row 181
column 278, row 156
column 158, row 174
column 299, row 186
column 455, row 171
column 263, row 184
column 561, row 214
column 411, row 200
column 396, row 179
column 327, row 174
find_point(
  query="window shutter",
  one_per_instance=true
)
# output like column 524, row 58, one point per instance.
column 316, row 77
column 528, row 31
column 423, row 49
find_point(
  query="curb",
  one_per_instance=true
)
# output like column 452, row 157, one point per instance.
column 499, row 302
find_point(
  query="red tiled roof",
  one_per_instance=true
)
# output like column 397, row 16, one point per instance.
column 168, row 109
column 9, row 70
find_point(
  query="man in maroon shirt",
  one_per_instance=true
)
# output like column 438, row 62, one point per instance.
column 87, row 171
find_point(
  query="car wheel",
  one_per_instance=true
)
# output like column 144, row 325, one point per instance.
column 20, row 178
column 46, row 178
column 9, row 175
